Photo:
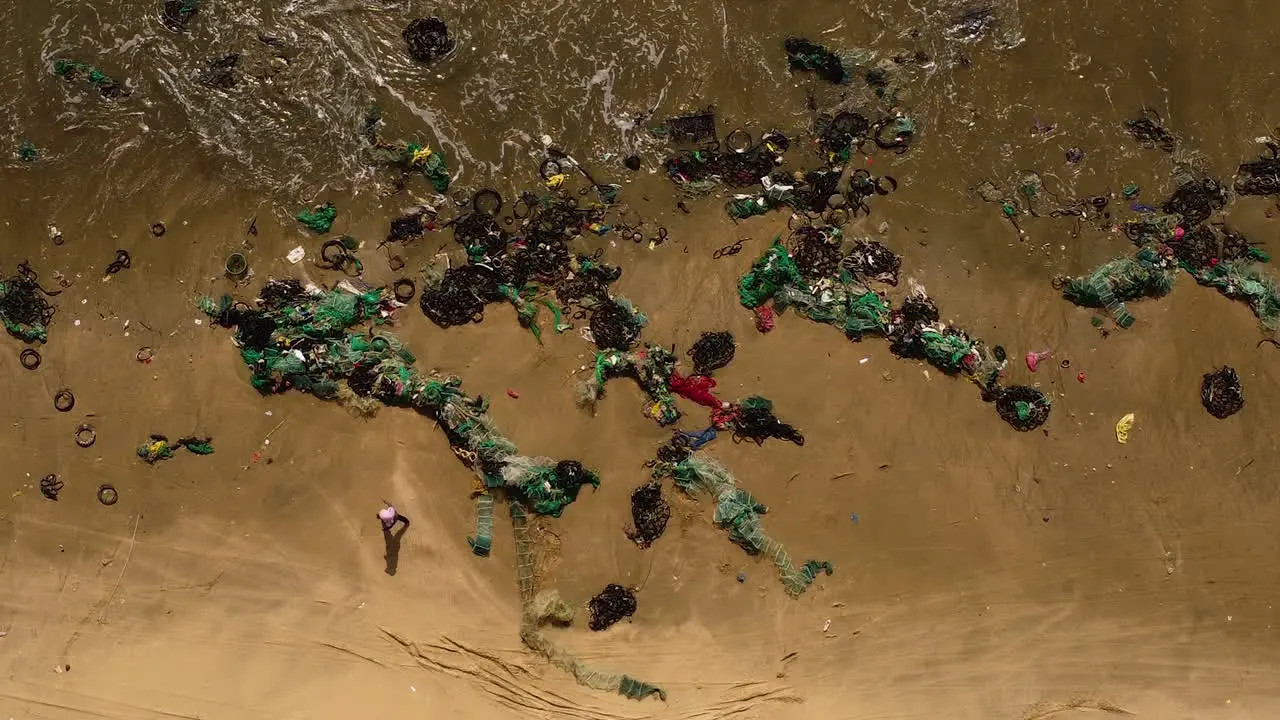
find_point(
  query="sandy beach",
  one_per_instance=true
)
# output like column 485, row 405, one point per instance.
column 979, row 572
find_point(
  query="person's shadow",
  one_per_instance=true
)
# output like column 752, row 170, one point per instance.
column 392, row 540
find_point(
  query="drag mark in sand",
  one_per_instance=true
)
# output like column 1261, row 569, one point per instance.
column 1042, row 711
column 507, row 682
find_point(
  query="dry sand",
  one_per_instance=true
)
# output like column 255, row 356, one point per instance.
column 990, row 574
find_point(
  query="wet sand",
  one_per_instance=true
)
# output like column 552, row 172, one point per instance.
column 1053, row 574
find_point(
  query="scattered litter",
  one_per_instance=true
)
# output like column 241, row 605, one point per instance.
column 513, row 394
column 296, row 255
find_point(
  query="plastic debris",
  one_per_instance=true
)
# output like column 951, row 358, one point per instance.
column 1123, row 427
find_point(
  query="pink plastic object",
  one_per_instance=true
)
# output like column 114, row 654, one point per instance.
column 1034, row 358
column 1178, row 233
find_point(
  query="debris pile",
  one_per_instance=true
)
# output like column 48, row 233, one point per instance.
column 612, row 604
column 1221, row 392
column 428, row 39
column 1182, row 236
column 649, row 514
column 24, row 307
column 333, row 344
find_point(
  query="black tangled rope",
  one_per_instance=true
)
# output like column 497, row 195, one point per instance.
column 712, row 351
column 649, row 514
column 612, row 604
column 1221, row 392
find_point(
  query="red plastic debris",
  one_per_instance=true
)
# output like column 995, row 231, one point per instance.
column 1080, row 377
column 696, row 388
column 513, row 394
column 764, row 318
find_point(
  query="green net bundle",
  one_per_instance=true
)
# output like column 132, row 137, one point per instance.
column 1146, row 274
column 805, row 55
column 321, row 342
column 841, row 301
column 651, row 367
column 738, row 513
column 25, row 309
column 1247, row 281
column 528, row 302
column 318, row 219
column 158, row 447
column 408, row 157
column 547, row 486
column 771, row 272
column 542, row 608
column 76, row 70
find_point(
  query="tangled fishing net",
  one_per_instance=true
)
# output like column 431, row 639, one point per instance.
column 651, row 366
column 816, row 253
column 24, row 307
column 407, row 157
column 649, row 514
column 543, row 608
column 839, row 133
column 461, row 295
column 616, row 324
column 1148, row 129
column 692, row 128
column 547, row 486
column 158, row 447
column 1261, row 176
column 318, row 219
column 1196, row 200
column 317, row 341
column 844, row 302
column 1221, row 392
column 834, row 298
column 872, row 260
column 220, row 72
column 76, row 70
column 612, row 604
column 738, row 513
column 712, row 351
column 428, row 39
column 1179, row 238
column 176, row 14
column 531, row 268
column 805, row 55
column 727, row 167
column 1023, row 407
column 753, row 420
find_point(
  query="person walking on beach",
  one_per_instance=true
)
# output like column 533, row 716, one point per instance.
column 389, row 516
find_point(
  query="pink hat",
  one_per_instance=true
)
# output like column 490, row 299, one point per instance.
column 387, row 515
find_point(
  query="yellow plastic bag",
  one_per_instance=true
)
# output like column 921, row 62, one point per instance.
column 1123, row 427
